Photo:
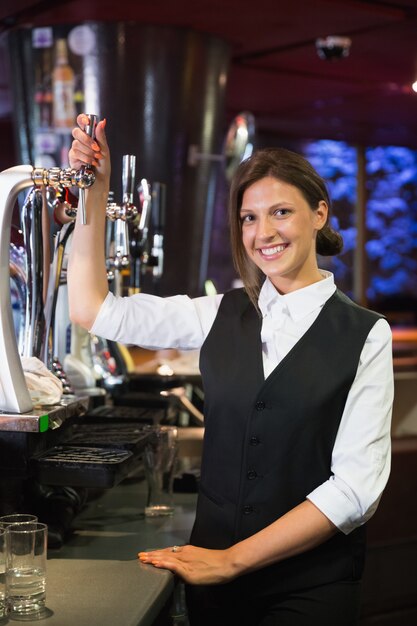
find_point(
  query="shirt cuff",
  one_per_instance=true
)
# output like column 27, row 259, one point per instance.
column 336, row 506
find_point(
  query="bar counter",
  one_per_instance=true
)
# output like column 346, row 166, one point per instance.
column 95, row 579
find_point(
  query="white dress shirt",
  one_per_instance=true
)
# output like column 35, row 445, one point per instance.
column 361, row 457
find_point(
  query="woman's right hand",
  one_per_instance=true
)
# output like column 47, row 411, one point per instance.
column 91, row 150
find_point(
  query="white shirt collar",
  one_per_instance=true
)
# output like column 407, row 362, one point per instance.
column 299, row 303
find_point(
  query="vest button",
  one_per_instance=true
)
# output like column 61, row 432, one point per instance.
column 251, row 474
column 260, row 405
column 247, row 509
column 254, row 441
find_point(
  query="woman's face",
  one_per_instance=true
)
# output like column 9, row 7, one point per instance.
column 279, row 233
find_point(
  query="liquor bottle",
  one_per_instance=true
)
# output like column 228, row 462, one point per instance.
column 43, row 92
column 63, row 83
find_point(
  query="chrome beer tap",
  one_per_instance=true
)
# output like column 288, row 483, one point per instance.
column 129, row 212
column 14, row 394
column 138, row 243
column 158, row 225
column 121, row 215
column 18, row 278
column 58, row 177
column 147, row 237
column 31, row 221
column 126, row 211
column 86, row 171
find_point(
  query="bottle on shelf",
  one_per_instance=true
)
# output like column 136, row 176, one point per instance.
column 63, row 84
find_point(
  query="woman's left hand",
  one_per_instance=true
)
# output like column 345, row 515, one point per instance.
column 197, row 566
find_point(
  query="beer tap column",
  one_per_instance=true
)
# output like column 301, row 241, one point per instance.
column 31, row 223
column 14, row 394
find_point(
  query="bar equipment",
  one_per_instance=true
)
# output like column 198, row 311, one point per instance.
column 147, row 236
column 25, row 430
column 43, row 469
column 120, row 215
column 38, row 281
column 18, row 291
column 14, row 395
column 86, row 171
column 158, row 221
column 79, row 364
column 84, row 356
column 33, row 218
column 56, row 324
column 139, row 235
column 92, row 358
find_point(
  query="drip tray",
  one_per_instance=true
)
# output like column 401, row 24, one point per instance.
column 110, row 435
column 142, row 415
column 83, row 466
column 95, row 455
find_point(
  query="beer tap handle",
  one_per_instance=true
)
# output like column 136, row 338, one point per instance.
column 90, row 131
column 129, row 212
column 128, row 178
column 158, row 219
column 145, row 197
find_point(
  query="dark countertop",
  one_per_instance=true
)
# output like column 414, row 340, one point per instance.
column 94, row 592
column 95, row 579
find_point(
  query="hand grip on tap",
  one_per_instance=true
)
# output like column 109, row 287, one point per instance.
column 86, row 171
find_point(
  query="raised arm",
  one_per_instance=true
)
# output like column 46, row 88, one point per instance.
column 87, row 278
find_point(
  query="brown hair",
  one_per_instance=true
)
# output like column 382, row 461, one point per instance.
column 290, row 168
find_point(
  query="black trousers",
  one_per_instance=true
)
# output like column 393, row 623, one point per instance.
column 231, row 605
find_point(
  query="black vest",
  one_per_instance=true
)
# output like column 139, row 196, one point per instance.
column 268, row 443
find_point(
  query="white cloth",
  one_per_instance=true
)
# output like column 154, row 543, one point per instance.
column 361, row 455
column 44, row 388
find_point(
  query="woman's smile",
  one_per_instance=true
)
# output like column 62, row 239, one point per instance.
column 272, row 252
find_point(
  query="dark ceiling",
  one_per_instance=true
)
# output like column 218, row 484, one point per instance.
column 275, row 72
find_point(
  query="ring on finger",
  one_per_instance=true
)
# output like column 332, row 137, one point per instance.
column 175, row 549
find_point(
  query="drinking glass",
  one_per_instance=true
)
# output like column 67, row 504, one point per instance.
column 160, row 462
column 26, row 551
column 16, row 518
column 2, row 573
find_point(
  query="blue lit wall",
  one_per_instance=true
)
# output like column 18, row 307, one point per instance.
column 391, row 220
column 336, row 162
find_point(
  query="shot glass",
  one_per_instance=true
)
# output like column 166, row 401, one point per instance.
column 160, row 459
column 26, row 551
column 3, row 608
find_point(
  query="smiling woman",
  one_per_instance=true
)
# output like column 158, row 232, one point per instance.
column 280, row 192
column 298, row 395
column 279, row 232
